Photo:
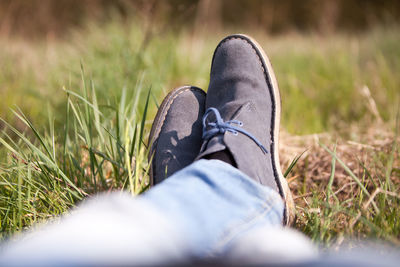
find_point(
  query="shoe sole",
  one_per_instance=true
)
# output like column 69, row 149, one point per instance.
column 159, row 122
column 289, row 212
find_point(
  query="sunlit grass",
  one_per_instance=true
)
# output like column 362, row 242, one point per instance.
column 82, row 109
column 101, row 147
column 369, row 210
column 321, row 77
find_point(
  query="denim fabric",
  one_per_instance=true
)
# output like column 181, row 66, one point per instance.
column 208, row 211
column 212, row 203
column 198, row 212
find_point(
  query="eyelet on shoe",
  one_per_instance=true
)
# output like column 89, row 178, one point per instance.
column 241, row 123
column 235, row 133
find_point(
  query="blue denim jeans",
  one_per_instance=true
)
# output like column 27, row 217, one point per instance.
column 212, row 203
column 209, row 210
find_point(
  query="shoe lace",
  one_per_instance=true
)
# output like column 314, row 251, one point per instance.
column 219, row 126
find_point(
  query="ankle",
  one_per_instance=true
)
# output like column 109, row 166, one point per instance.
column 224, row 156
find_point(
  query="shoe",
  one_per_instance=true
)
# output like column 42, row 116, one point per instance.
column 175, row 136
column 243, row 113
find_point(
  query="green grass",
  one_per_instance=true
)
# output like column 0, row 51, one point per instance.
column 321, row 77
column 101, row 147
column 83, row 107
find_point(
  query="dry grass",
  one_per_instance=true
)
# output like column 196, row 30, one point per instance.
column 372, row 159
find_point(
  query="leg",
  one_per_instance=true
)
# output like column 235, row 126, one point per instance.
column 197, row 212
column 212, row 203
column 202, row 211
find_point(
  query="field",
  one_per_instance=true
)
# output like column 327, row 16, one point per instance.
column 77, row 113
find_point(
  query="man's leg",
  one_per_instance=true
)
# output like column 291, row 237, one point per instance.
column 108, row 229
column 203, row 210
column 199, row 212
column 211, row 203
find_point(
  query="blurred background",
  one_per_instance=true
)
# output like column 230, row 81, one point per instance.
column 331, row 57
column 47, row 18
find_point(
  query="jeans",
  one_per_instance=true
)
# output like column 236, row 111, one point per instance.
column 208, row 210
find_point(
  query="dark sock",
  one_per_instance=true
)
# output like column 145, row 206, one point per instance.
column 224, row 156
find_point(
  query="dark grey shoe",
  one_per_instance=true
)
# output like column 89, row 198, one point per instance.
column 243, row 91
column 175, row 136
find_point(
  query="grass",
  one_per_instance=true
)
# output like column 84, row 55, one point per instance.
column 347, row 189
column 103, row 86
column 101, row 147
column 363, row 213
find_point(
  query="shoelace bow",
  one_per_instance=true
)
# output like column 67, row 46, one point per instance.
column 219, row 126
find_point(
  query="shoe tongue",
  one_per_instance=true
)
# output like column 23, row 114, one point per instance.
column 215, row 144
column 230, row 111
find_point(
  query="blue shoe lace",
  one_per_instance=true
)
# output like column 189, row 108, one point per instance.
column 219, row 126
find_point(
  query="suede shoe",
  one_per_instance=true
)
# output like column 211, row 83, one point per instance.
column 243, row 113
column 175, row 136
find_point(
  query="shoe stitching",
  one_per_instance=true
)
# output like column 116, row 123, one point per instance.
column 161, row 122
